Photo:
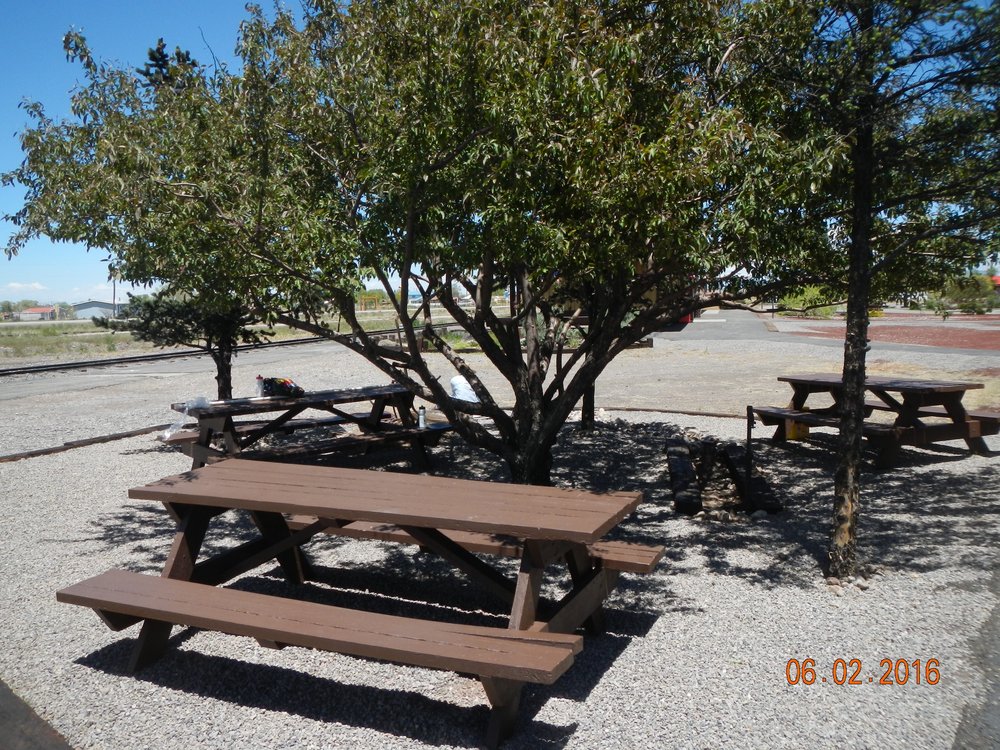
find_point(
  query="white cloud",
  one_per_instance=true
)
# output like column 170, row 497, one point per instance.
column 34, row 286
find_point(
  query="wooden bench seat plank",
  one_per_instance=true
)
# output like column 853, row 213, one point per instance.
column 627, row 557
column 385, row 435
column 494, row 652
column 918, row 436
column 988, row 417
column 773, row 415
column 332, row 492
column 242, row 428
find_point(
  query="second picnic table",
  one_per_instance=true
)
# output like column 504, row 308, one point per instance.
column 913, row 401
column 218, row 435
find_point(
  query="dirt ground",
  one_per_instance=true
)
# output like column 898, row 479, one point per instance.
column 957, row 332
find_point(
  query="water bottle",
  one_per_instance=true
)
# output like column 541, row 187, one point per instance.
column 260, row 386
column 422, row 417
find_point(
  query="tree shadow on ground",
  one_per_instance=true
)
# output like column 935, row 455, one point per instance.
column 911, row 515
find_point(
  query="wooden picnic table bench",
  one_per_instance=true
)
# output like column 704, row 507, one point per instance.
column 616, row 555
column 913, row 401
column 453, row 518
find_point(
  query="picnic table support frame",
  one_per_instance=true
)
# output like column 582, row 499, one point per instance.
column 276, row 542
column 535, row 523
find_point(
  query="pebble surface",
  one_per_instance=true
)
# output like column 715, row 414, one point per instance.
column 696, row 655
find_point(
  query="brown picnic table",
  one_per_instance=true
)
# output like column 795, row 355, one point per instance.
column 292, row 504
column 924, row 412
column 218, row 435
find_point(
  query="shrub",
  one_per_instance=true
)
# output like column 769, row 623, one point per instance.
column 810, row 301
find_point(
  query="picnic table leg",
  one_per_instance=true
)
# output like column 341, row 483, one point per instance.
column 523, row 613
column 402, row 404
column 580, row 571
column 504, row 696
column 952, row 403
column 887, row 452
column 153, row 636
column 293, row 561
column 798, row 403
column 421, row 459
column 202, row 449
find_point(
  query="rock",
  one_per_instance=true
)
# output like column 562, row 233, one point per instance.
column 759, row 514
column 832, row 581
column 863, row 585
column 837, row 590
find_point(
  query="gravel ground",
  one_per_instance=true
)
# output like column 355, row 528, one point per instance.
column 695, row 655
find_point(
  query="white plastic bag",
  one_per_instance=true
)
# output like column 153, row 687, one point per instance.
column 461, row 390
column 195, row 403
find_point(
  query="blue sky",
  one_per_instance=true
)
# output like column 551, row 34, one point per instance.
column 34, row 67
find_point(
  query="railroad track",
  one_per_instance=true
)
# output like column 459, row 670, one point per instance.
column 115, row 361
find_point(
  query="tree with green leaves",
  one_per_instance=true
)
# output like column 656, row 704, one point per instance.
column 619, row 165
column 168, row 321
column 622, row 164
column 912, row 88
column 74, row 172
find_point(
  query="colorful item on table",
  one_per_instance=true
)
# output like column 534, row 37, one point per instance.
column 284, row 387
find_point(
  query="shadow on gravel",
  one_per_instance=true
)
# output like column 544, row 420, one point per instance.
column 910, row 515
column 399, row 712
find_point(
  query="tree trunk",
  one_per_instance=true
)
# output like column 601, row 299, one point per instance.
column 847, row 481
column 223, row 358
column 587, row 409
column 532, row 466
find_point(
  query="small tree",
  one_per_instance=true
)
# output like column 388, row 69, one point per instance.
column 970, row 294
column 912, row 87
column 173, row 321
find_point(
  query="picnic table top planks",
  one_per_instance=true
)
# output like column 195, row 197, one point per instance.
column 524, row 511
column 235, row 407
column 879, row 382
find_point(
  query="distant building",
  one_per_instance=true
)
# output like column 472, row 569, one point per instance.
column 38, row 313
column 94, row 309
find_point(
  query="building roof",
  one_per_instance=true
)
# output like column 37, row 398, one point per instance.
column 48, row 309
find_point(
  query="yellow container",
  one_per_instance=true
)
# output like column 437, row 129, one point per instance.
column 796, row 430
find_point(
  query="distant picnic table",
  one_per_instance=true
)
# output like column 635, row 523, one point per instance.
column 926, row 412
column 549, row 529
column 218, row 435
